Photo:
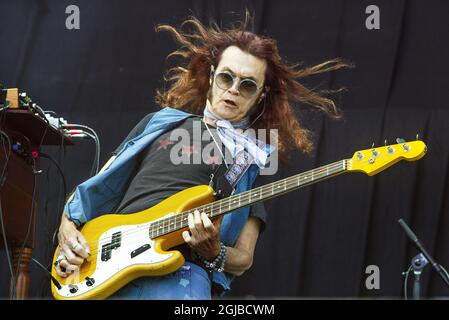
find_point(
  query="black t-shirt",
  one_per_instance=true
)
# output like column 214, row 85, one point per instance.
column 160, row 174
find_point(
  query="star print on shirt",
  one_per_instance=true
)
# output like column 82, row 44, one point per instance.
column 163, row 144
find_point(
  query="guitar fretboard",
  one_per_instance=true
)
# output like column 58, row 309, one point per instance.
column 247, row 198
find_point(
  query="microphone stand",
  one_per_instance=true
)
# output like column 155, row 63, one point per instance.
column 418, row 264
column 420, row 261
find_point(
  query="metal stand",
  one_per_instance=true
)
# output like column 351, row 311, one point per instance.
column 420, row 261
column 418, row 264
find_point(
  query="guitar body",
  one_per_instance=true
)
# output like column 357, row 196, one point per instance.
column 122, row 249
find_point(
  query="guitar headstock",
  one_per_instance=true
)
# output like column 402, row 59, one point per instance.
column 375, row 160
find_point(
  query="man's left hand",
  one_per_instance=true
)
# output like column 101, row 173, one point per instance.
column 204, row 236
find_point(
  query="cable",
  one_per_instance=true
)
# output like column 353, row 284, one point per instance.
column 405, row 282
column 48, row 198
column 28, row 229
column 39, row 111
column 5, row 240
column 44, row 155
column 5, row 167
column 51, row 229
column 33, row 107
column 407, row 274
column 61, row 157
column 6, row 106
column 57, row 284
column 445, row 271
column 47, row 156
column 2, row 182
column 76, row 133
column 260, row 114
column 93, row 135
column 92, row 131
column 51, row 112
column 35, row 172
column 95, row 164
column 83, row 134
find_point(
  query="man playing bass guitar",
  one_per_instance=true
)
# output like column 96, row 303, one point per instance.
column 233, row 80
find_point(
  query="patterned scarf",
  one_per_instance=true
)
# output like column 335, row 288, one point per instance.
column 236, row 142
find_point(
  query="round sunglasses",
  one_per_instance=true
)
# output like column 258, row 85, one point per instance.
column 247, row 87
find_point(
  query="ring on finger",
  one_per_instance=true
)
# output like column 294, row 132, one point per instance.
column 59, row 259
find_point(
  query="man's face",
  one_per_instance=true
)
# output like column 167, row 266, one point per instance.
column 230, row 104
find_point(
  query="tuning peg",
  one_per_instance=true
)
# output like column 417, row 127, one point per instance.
column 372, row 146
column 385, row 142
column 400, row 140
column 417, row 136
column 406, row 147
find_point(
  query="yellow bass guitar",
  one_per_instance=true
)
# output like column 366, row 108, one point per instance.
column 125, row 247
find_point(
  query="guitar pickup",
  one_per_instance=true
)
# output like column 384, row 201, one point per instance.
column 108, row 247
column 138, row 251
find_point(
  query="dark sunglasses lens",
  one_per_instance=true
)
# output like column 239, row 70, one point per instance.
column 248, row 88
column 224, row 80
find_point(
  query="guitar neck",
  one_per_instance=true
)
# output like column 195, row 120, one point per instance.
column 252, row 196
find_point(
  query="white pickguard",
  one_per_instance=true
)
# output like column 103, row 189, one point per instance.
column 132, row 238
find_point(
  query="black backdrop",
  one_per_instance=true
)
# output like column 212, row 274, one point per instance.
column 320, row 239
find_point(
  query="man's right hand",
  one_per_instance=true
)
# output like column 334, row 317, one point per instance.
column 73, row 248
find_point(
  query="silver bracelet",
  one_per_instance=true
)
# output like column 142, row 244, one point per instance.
column 218, row 263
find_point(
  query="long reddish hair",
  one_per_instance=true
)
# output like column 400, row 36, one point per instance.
column 202, row 47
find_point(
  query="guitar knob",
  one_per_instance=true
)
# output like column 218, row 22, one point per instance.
column 73, row 289
column 390, row 150
column 90, row 281
column 359, row 155
column 371, row 160
column 375, row 152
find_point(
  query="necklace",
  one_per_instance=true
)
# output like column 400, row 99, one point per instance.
column 216, row 143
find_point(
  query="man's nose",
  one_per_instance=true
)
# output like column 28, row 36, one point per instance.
column 234, row 90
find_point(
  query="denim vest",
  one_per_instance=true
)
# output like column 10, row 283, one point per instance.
column 102, row 193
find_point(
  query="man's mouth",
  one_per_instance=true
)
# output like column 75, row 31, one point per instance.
column 230, row 102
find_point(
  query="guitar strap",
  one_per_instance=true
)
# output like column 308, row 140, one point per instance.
column 224, row 180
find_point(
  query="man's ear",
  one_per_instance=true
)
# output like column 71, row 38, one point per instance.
column 209, row 94
column 263, row 94
column 211, row 77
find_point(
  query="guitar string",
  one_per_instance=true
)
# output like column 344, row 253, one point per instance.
column 127, row 234
column 245, row 196
column 159, row 224
column 265, row 190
